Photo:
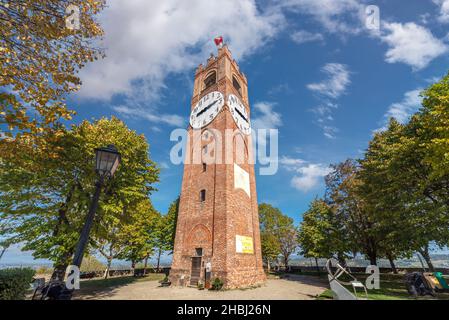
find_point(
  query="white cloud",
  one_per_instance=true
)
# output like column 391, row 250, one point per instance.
column 265, row 116
column 292, row 164
column 325, row 109
column 402, row 110
column 146, row 40
column 302, row 36
column 444, row 10
column 408, row 43
column 411, row 44
column 330, row 132
column 336, row 83
column 331, row 88
column 307, row 175
column 342, row 16
column 170, row 119
column 164, row 165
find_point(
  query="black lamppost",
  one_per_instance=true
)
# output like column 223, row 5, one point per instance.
column 106, row 160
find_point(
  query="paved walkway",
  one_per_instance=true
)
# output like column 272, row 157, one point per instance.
column 294, row 288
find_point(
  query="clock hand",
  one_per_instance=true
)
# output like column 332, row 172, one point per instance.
column 207, row 108
column 241, row 115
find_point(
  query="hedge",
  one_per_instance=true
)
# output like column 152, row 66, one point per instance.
column 15, row 282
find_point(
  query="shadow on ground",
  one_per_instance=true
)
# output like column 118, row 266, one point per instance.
column 105, row 288
column 314, row 280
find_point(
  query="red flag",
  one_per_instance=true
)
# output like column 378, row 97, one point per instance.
column 218, row 41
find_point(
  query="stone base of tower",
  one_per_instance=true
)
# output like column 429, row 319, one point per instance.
column 232, row 280
column 244, row 278
column 179, row 278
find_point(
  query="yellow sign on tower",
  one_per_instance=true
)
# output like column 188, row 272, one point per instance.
column 244, row 244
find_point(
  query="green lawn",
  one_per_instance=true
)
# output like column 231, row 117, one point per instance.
column 392, row 287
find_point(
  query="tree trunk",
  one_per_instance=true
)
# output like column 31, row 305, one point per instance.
column 3, row 251
column 158, row 260
column 317, row 266
column 372, row 255
column 145, row 265
column 108, row 267
column 373, row 259
column 393, row 266
column 286, row 262
column 425, row 254
column 268, row 265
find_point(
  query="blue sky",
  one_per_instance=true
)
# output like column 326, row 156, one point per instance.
column 315, row 71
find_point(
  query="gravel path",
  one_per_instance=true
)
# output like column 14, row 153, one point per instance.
column 294, row 288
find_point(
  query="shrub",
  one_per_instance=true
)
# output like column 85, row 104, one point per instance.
column 217, row 284
column 15, row 282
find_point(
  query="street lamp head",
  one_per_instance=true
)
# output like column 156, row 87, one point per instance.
column 107, row 160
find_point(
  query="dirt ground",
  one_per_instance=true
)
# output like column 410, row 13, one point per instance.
column 295, row 287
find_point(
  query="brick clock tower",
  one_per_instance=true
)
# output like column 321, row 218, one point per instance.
column 217, row 233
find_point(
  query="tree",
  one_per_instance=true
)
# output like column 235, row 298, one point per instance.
column 288, row 237
column 360, row 224
column 270, row 244
column 393, row 201
column 410, row 203
column 434, row 132
column 431, row 125
column 166, row 231
column 4, row 244
column 278, row 234
column 40, row 59
column 320, row 234
column 387, row 190
column 108, row 239
column 44, row 196
column 138, row 235
column 270, row 248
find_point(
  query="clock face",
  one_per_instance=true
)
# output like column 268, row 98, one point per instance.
column 206, row 110
column 239, row 114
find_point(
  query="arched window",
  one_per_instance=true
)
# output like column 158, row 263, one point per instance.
column 236, row 85
column 211, row 79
